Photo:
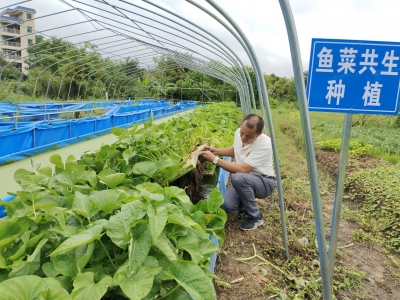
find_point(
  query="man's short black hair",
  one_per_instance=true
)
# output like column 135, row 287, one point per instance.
column 252, row 120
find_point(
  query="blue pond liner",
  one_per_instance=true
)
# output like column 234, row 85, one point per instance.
column 2, row 208
column 32, row 138
column 223, row 177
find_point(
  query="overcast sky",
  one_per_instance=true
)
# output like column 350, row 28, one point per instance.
column 263, row 24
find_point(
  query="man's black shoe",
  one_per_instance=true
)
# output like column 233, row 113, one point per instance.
column 251, row 224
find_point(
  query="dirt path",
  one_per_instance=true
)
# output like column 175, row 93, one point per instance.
column 382, row 275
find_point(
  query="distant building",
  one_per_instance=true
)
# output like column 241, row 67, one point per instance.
column 17, row 31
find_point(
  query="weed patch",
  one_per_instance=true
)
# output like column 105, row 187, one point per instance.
column 378, row 191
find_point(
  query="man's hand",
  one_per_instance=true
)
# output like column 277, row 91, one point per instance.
column 212, row 149
column 208, row 155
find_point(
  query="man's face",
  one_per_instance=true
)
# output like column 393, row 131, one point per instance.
column 248, row 135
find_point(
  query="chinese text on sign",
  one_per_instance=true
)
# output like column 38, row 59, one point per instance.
column 354, row 77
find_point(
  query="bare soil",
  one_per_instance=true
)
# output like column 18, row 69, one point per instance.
column 254, row 278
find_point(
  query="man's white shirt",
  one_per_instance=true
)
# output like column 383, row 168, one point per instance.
column 257, row 154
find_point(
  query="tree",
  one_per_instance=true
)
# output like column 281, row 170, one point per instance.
column 8, row 71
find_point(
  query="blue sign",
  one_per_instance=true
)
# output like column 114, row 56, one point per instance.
column 351, row 76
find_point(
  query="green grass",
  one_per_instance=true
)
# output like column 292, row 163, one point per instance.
column 380, row 132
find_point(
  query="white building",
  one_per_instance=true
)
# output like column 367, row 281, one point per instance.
column 17, row 32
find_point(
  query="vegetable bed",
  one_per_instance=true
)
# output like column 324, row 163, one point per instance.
column 109, row 226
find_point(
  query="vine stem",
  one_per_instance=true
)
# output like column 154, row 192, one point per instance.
column 33, row 205
column 264, row 260
column 170, row 150
column 109, row 257
column 347, row 246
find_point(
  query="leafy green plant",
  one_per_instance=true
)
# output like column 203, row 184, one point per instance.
column 356, row 148
column 109, row 226
column 360, row 235
column 136, row 242
column 378, row 190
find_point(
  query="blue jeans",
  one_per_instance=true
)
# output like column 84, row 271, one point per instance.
column 245, row 189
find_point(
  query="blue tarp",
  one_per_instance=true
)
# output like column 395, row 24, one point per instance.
column 39, row 136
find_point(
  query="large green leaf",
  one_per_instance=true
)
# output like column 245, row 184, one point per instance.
column 3, row 262
column 82, row 205
column 69, row 263
column 16, row 250
column 84, row 259
column 71, row 176
column 49, row 201
column 91, row 177
column 151, row 187
column 111, row 178
column 139, row 246
column 56, row 160
column 86, row 288
column 193, row 279
column 10, row 229
column 22, row 288
column 194, row 224
column 68, row 231
column 164, row 245
column 48, row 269
column 21, row 173
column 118, row 228
column 106, row 200
column 215, row 200
column 179, row 294
column 168, row 168
column 47, row 171
column 64, row 263
column 136, row 209
column 216, row 225
column 54, row 290
column 155, row 289
column 128, row 154
column 190, row 244
column 38, row 250
column 147, row 168
column 70, row 162
column 157, row 221
column 176, row 216
column 32, row 183
column 31, row 265
column 200, row 218
column 136, row 287
column 178, row 193
column 151, row 196
column 80, row 239
column 16, row 208
column 57, row 213
column 207, row 247
column 120, row 132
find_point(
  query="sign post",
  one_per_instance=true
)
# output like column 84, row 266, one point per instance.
column 351, row 76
